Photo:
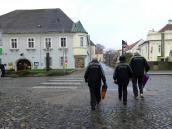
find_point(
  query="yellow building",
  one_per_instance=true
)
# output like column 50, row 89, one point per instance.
column 83, row 47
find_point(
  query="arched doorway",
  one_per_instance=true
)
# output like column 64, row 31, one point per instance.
column 23, row 64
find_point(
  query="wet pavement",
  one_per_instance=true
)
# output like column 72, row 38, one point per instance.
column 63, row 103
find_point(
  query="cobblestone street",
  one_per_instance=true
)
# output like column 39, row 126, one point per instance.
column 47, row 103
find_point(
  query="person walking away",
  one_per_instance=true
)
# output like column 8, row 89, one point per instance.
column 121, row 76
column 94, row 74
column 139, row 66
column 2, row 67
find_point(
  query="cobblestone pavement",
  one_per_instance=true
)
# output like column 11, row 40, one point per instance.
column 47, row 103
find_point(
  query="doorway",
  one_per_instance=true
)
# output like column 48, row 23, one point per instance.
column 23, row 64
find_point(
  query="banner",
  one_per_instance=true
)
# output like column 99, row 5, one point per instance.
column 1, row 51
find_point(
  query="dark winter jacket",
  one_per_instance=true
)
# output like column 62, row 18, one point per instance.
column 2, row 68
column 122, row 73
column 94, row 73
column 138, row 65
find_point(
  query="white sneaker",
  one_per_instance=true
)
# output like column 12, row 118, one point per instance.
column 141, row 95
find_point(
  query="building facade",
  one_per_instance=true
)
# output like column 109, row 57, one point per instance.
column 158, row 46
column 28, row 35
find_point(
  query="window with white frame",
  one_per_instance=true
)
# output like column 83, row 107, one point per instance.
column 14, row 43
column 63, row 42
column 81, row 41
column 31, row 42
column 48, row 43
column 62, row 60
column 151, row 49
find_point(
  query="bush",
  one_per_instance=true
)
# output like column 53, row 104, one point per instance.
column 23, row 73
column 41, row 72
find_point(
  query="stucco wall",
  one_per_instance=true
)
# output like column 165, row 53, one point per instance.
column 38, row 54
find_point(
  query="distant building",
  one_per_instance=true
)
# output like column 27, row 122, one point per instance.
column 133, row 48
column 29, row 34
column 158, row 45
column 99, row 55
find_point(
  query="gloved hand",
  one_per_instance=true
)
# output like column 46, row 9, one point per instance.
column 105, row 85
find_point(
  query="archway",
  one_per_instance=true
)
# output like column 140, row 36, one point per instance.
column 23, row 64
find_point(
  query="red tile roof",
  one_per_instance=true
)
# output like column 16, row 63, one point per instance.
column 165, row 28
column 131, row 46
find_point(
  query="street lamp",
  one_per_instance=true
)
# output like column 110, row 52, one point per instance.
column 64, row 59
column 109, row 55
column 47, row 57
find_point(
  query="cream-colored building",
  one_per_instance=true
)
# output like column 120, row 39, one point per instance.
column 99, row 57
column 28, row 35
column 158, row 45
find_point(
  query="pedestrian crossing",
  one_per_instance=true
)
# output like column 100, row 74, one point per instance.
column 60, row 83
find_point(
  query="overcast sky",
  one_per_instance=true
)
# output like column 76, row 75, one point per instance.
column 107, row 21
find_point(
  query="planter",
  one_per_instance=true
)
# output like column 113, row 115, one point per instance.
column 155, row 67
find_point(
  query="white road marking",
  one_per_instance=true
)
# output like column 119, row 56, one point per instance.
column 65, row 80
column 60, row 83
column 69, row 78
column 55, row 87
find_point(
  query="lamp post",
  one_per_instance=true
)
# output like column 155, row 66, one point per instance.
column 64, row 59
column 47, row 57
column 109, row 54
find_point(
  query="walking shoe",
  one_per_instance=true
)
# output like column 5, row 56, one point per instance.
column 93, row 108
column 141, row 95
column 125, row 102
column 98, row 102
column 136, row 97
column 119, row 98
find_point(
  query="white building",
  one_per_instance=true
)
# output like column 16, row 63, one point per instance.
column 29, row 34
column 158, row 45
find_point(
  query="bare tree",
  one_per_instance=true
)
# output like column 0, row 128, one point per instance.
column 99, row 48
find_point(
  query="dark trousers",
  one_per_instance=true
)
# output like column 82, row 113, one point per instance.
column 95, row 95
column 137, row 82
column 122, row 91
column 3, row 73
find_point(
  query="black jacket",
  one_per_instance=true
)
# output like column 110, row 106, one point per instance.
column 2, row 68
column 122, row 73
column 138, row 65
column 94, row 73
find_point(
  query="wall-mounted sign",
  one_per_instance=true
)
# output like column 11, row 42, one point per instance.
column 36, row 63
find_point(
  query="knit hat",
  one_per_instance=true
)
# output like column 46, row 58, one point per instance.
column 122, row 58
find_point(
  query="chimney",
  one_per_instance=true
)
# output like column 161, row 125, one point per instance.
column 169, row 21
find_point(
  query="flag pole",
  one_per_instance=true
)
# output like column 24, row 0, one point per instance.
column 122, row 48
